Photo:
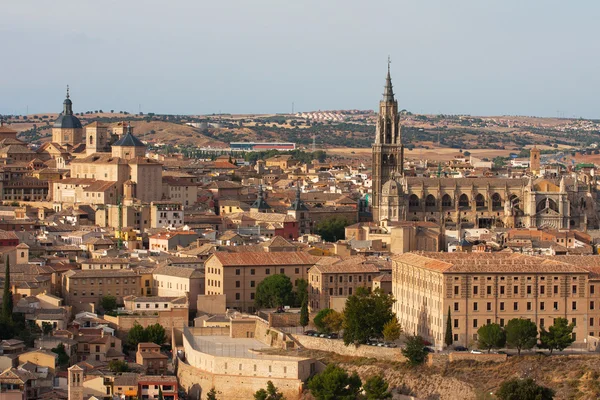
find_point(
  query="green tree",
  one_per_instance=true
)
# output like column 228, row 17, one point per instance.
column 156, row 334
column 414, row 350
column 365, row 315
column 301, row 292
column 319, row 319
column 46, row 328
column 7, row 306
column 270, row 394
column 490, row 336
column 304, row 314
column 160, row 393
column 63, row 357
column 118, row 366
column 392, row 330
column 332, row 228
column 274, row 291
column 376, row 388
column 334, row 383
column 448, row 339
column 108, row 303
column 520, row 334
column 523, row 389
column 211, row 395
column 559, row 336
column 136, row 335
column 333, row 321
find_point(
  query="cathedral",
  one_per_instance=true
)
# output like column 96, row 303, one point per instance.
column 458, row 203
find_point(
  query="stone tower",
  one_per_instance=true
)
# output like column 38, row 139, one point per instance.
column 75, row 382
column 67, row 129
column 534, row 160
column 300, row 212
column 388, row 151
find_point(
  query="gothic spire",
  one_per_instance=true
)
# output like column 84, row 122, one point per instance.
column 388, row 94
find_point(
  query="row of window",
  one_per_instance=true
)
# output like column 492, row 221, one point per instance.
column 101, row 280
column 515, row 289
column 529, row 306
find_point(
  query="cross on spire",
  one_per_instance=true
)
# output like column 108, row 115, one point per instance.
column 389, row 62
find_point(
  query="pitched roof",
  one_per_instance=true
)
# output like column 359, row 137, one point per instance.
column 258, row 259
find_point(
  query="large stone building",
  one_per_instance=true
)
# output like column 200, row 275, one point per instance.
column 558, row 203
column 483, row 288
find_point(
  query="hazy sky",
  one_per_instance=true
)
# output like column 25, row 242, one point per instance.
column 479, row 57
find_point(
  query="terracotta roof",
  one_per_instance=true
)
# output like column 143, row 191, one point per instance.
column 485, row 263
column 181, row 272
column 258, row 259
column 356, row 264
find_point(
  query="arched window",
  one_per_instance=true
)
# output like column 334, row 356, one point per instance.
column 515, row 201
column 546, row 204
column 496, row 201
column 413, row 201
column 446, row 201
column 479, row 200
column 429, row 201
column 91, row 139
column 463, row 200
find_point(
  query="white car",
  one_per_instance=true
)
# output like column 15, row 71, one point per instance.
column 475, row 351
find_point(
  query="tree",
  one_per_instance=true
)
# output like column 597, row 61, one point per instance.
column 47, row 328
column 319, row 319
column 332, row 228
column 523, row 389
column 304, row 314
column 448, row 339
column 160, row 393
column 365, row 315
column 392, row 330
column 301, row 292
column 211, row 395
column 136, row 335
column 334, row 383
column 270, row 394
column 7, row 306
column 491, row 336
column 274, row 291
column 521, row 334
column 156, row 334
column 414, row 350
column 108, row 303
column 376, row 388
column 559, row 336
column 333, row 321
column 63, row 357
column 118, row 366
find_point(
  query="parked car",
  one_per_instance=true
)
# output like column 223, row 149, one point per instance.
column 460, row 348
column 310, row 332
column 429, row 349
column 323, row 335
column 332, row 336
column 475, row 351
column 390, row 344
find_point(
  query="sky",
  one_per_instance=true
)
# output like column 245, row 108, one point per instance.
column 477, row 57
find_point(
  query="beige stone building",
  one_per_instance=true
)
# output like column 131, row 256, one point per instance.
column 165, row 214
column 173, row 281
column 83, row 289
column 149, row 356
column 482, row 288
column 236, row 275
column 67, row 130
column 340, row 279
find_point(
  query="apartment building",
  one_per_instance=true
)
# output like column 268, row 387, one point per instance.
column 149, row 387
column 167, row 241
column 482, row 288
column 172, row 281
column 338, row 280
column 236, row 275
column 166, row 213
column 149, row 356
column 83, row 289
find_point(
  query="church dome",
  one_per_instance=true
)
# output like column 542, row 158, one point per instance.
column 391, row 188
column 66, row 120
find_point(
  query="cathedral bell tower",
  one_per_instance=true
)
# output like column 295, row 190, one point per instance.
column 388, row 151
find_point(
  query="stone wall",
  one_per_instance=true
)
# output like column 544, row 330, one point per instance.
column 176, row 318
column 210, row 331
column 337, row 346
column 284, row 319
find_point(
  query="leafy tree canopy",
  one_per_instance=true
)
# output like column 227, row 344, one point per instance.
column 274, row 291
column 334, row 383
column 365, row 315
column 376, row 388
column 491, row 336
column 523, row 389
column 521, row 334
column 559, row 336
column 270, row 393
column 108, row 303
column 319, row 319
column 332, row 228
column 414, row 350
column 392, row 330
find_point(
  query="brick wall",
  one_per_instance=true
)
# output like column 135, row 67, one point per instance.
column 284, row 319
column 337, row 346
